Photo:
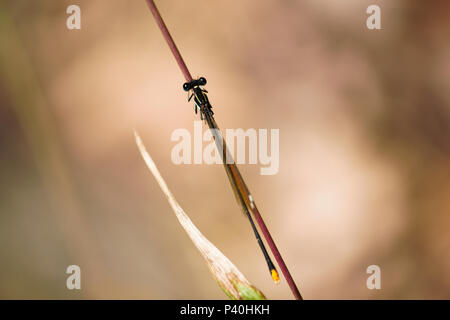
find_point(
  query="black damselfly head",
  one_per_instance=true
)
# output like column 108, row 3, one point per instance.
column 194, row 83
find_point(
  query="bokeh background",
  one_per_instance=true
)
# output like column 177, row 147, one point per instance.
column 364, row 146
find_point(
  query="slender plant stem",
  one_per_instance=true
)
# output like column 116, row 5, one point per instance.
column 170, row 42
column 234, row 173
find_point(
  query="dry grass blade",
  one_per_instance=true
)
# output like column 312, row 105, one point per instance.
column 229, row 278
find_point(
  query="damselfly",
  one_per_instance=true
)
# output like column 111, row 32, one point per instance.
column 243, row 196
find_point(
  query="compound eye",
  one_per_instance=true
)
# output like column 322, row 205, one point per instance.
column 202, row 81
column 186, row 87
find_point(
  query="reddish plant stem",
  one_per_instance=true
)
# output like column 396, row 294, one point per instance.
column 235, row 172
column 170, row 42
column 276, row 254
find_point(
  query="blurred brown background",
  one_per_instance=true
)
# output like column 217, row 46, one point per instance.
column 364, row 146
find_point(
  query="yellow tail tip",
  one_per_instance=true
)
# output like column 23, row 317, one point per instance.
column 275, row 276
